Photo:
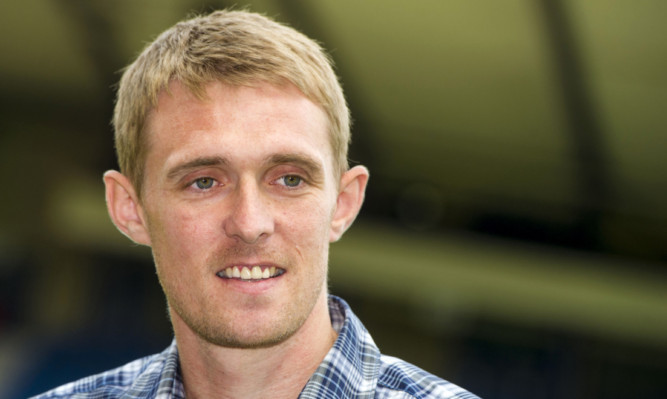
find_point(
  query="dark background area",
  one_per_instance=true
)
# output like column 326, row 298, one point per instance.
column 514, row 237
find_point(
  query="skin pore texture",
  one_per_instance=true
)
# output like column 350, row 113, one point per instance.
column 240, row 202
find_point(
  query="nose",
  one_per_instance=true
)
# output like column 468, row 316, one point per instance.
column 250, row 218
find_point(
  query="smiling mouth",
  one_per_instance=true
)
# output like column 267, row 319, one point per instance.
column 253, row 273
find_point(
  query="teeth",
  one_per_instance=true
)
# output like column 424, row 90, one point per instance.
column 253, row 273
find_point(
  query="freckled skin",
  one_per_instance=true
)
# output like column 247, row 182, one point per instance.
column 247, row 216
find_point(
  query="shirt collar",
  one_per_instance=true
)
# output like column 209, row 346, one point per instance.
column 169, row 384
column 352, row 366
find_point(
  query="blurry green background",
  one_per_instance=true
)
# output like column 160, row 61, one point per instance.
column 514, row 238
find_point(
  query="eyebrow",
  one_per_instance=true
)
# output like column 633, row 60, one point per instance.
column 309, row 164
column 183, row 168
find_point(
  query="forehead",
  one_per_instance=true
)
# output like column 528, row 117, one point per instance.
column 235, row 122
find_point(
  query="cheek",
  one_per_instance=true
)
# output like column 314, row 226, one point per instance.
column 180, row 235
column 308, row 227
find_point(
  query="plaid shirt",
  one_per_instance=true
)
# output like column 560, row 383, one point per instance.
column 353, row 368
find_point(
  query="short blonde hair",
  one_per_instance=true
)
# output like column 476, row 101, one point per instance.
column 234, row 47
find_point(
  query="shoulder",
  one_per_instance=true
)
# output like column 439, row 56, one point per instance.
column 400, row 379
column 138, row 379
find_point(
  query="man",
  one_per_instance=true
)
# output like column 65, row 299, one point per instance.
column 232, row 132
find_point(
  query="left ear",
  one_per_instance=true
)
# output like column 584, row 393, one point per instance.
column 350, row 197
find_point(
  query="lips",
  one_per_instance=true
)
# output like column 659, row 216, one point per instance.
column 250, row 273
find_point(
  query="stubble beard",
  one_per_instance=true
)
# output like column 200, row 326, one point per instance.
column 226, row 333
column 223, row 335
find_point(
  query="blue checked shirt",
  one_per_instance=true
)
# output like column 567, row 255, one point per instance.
column 353, row 368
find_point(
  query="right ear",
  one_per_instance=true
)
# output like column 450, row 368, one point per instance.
column 124, row 207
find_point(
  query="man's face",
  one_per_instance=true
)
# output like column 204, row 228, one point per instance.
column 239, row 195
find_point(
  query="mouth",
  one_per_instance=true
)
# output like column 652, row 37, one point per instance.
column 250, row 273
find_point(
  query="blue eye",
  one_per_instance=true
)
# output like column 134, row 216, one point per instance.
column 291, row 180
column 204, row 183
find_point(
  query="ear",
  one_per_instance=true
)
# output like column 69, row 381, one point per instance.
column 124, row 207
column 350, row 198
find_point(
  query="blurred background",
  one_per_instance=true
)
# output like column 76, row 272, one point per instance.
column 514, row 237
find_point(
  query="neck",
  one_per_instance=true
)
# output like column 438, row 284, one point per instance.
column 280, row 371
